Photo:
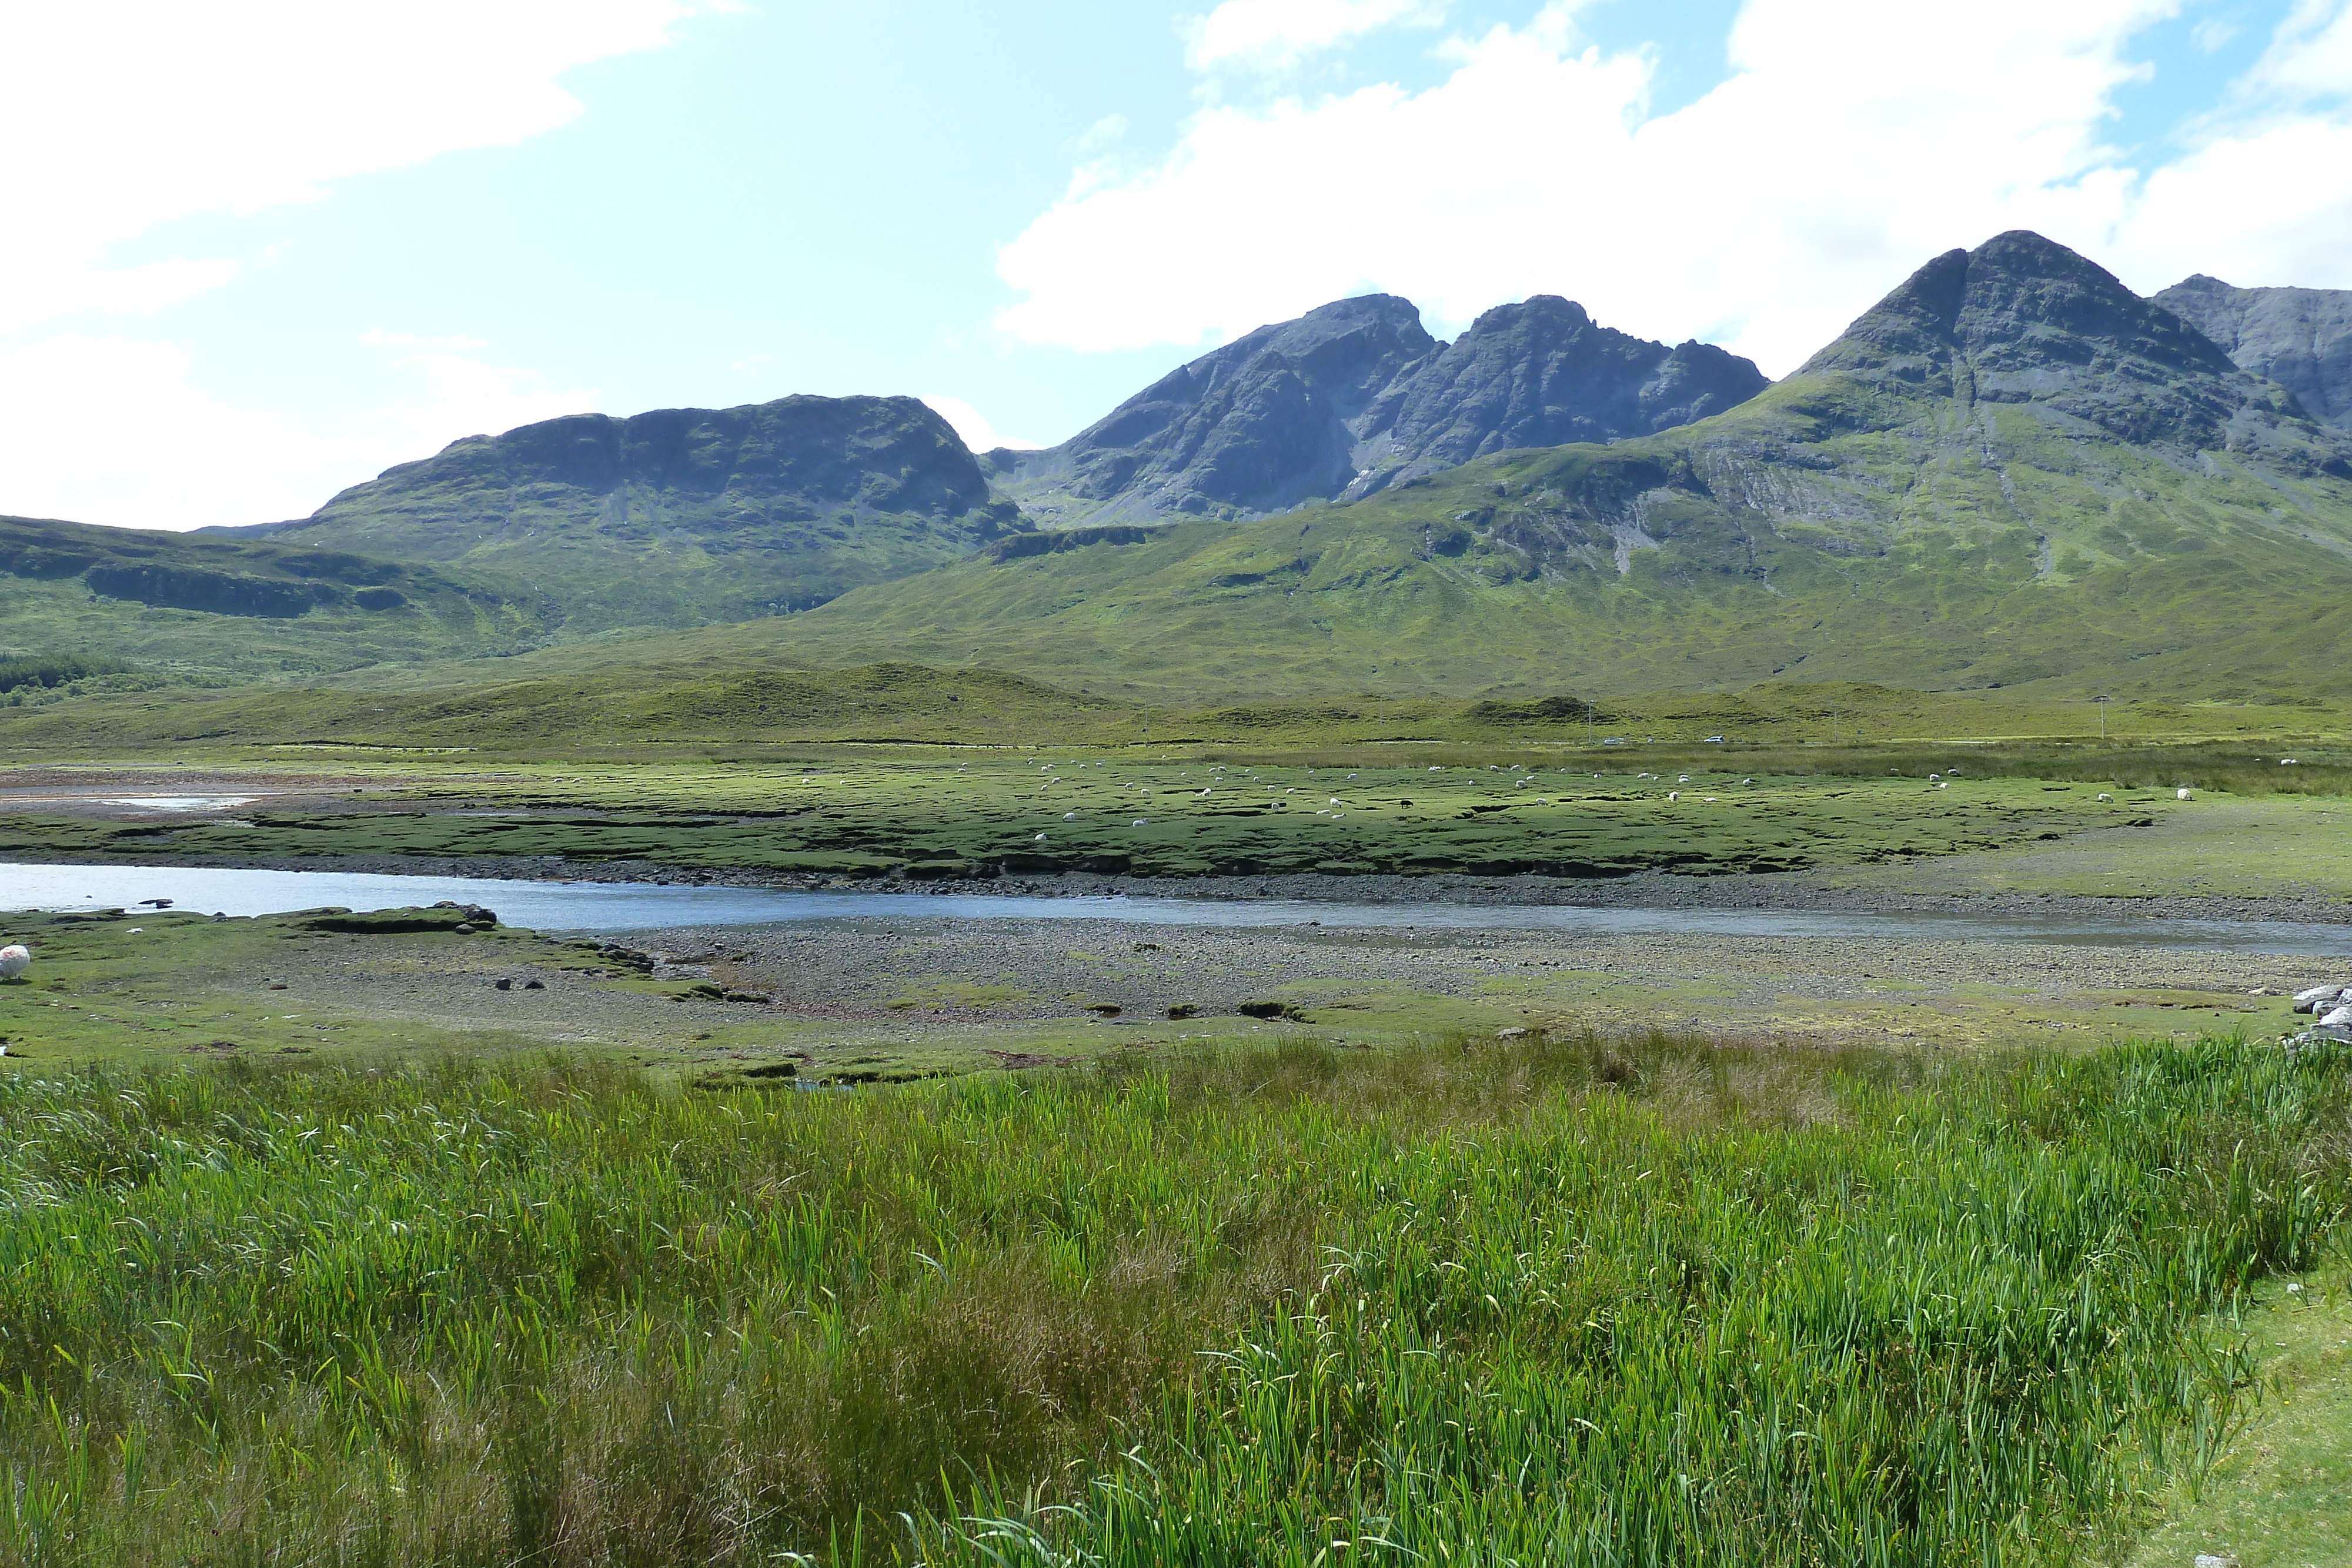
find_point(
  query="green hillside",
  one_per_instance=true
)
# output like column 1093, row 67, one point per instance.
column 683, row 516
column 76, row 599
column 2027, row 475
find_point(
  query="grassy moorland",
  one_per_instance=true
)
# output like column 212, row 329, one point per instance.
column 639, row 693
column 1557, row 1299
column 941, row 818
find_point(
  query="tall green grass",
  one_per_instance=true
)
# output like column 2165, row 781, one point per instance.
column 1554, row 1301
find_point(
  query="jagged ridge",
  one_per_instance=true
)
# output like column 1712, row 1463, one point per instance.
column 1354, row 396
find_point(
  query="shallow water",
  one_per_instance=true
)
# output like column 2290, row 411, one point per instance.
column 611, row 907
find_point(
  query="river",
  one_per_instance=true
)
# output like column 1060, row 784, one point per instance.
column 609, row 908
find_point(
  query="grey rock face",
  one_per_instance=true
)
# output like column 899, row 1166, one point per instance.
column 1263, row 423
column 2023, row 319
column 2299, row 338
column 1356, row 395
column 1543, row 373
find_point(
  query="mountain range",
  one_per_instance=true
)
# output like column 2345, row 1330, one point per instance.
column 1356, row 395
column 2012, row 468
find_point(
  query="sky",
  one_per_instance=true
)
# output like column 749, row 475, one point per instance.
column 257, row 251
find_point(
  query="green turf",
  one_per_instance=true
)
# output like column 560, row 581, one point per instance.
column 604, row 698
column 154, row 987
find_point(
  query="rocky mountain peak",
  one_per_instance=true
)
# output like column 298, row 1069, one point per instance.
column 2299, row 338
column 1355, row 395
column 1543, row 373
column 1260, row 424
column 2023, row 319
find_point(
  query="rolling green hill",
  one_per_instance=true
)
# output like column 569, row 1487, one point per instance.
column 2010, row 471
column 75, row 598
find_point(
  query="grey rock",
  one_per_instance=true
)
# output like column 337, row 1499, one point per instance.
column 2318, row 997
column 1354, row 396
column 1266, row 422
column 2299, row 338
column 1543, row 373
column 2023, row 319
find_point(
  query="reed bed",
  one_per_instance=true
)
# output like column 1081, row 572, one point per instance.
column 1559, row 1301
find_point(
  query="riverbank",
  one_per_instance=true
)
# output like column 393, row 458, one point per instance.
column 895, row 991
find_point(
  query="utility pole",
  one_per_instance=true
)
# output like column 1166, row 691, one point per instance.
column 2102, row 716
column 1588, row 721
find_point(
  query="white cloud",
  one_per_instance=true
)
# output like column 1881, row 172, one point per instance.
column 125, row 117
column 104, row 429
column 101, row 429
column 2311, row 54
column 1851, row 140
column 1271, row 33
column 377, row 338
column 973, row 425
column 461, row 394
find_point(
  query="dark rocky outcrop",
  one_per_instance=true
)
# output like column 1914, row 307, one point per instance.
column 218, row 592
column 683, row 516
column 1355, row 395
column 1543, row 373
column 1268, row 421
column 2023, row 319
column 2299, row 338
column 218, row 576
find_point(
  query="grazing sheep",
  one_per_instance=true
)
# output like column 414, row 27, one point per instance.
column 2183, row 793
column 15, row 960
column 2110, row 799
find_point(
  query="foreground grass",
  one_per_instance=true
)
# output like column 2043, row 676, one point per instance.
column 2281, row 1495
column 1555, row 1300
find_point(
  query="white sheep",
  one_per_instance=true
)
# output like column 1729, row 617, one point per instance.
column 2183, row 793
column 15, row 960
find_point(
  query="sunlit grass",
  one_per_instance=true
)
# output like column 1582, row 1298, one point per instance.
column 1666, row 1302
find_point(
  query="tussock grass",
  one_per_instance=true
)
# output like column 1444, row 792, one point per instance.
column 1572, row 1299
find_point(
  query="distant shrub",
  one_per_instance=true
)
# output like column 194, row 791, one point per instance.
column 53, row 669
